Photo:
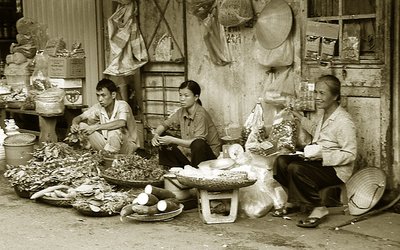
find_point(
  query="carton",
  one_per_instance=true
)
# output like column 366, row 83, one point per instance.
column 66, row 67
column 73, row 96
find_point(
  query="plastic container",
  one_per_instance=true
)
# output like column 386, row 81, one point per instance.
column 18, row 154
column 172, row 184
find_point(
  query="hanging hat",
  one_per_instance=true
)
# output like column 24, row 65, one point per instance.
column 274, row 24
column 364, row 189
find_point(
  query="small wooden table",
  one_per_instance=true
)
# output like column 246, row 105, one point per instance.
column 47, row 123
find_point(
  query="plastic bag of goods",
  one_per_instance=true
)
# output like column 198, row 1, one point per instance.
column 50, row 102
column 284, row 131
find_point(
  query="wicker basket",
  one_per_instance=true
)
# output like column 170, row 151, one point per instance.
column 23, row 193
column 133, row 183
column 157, row 217
column 58, row 202
column 215, row 184
column 89, row 212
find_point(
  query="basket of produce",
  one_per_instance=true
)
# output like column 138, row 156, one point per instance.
column 134, row 171
column 156, row 217
column 132, row 183
column 23, row 193
column 98, row 200
column 154, row 204
column 20, row 138
column 57, row 202
column 214, row 180
column 59, row 196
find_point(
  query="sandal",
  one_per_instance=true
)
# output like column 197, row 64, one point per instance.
column 311, row 222
column 280, row 212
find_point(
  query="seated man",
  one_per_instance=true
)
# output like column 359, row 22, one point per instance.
column 109, row 125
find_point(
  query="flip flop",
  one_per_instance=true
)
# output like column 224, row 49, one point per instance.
column 311, row 222
column 285, row 211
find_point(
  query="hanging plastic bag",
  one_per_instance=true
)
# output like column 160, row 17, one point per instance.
column 127, row 48
column 279, row 87
column 234, row 12
column 201, row 8
column 284, row 131
column 277, row 57
column 215, row 40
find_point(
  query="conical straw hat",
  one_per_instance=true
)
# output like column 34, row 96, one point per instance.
column 274, row 24
column 364, row 189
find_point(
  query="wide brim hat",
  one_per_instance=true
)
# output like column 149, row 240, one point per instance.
column 274, row 24
column 364, row 189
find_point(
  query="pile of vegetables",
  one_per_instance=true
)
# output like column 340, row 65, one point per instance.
column 97, row 196
column 135, row 168
column 153, row 200
column 54, row 164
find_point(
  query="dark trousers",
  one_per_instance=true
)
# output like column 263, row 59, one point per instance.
column 171, row 156
column 304, row 179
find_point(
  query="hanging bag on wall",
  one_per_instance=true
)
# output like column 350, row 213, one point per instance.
column 277, row 57
column 127, row 48
column 234, row 12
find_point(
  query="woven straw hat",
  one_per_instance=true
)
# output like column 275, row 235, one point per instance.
column 364, row 189
column 274, row 24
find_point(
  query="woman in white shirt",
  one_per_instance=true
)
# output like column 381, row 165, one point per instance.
column 331, row 163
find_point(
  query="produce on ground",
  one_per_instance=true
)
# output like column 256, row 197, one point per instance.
column 135, row 168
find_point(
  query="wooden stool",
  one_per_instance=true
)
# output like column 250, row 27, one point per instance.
column 342, row 209
column 205, row 197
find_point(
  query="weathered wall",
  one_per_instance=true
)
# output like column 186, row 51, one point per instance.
column 230, row 92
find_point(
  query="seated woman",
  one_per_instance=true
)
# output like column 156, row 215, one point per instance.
column 199, row 137
column 331, row 164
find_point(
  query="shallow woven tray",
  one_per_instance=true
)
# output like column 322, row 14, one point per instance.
column 23, row 193
column 20, row 138
column 58, row 202
column 89, row 212
column 215, row 184
column 139, row 183
column 156, row 217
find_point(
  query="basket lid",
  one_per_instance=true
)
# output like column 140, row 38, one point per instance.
column 20, row 138
column 364, row 189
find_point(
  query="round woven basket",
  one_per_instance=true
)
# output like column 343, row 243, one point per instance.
column 89, row 212
column 157, row 217
column 215, row 184
column 57, row 202
column 364, row 189
column 23, row 193
column 132, row 183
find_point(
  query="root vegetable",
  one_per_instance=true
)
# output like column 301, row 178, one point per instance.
column 60, row 193
column 160, row 193
column 147, row 199
column 47, row 190
column 145, row 210
column 167, row 206
column 126, row 210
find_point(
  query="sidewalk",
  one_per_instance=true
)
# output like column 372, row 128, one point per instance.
column 26, row 224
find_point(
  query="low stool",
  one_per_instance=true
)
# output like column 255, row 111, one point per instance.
column 338, row 208
column 205, row 197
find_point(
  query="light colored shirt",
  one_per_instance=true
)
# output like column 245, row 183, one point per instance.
column 337, row 136
column 195, row 126
column 121, row 111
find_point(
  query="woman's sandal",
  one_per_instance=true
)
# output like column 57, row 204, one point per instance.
column 280, row 212
column 311, row 222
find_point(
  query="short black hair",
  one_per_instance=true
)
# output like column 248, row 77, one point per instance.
column 107, row 84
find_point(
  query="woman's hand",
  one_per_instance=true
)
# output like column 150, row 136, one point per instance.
column 166, row 140
column 74, row 128
column 155, row 141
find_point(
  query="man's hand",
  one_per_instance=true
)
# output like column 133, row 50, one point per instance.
column 74, row 128
column 89, row 130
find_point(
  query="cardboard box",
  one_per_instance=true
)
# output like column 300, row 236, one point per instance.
column 73, row 96
column 65, row 83
column 65, row 67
